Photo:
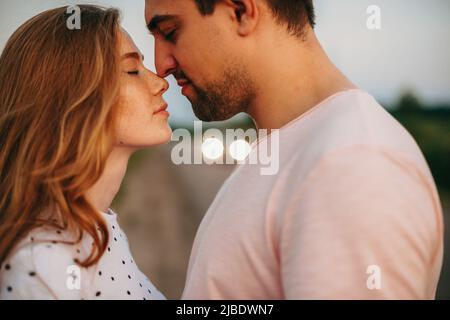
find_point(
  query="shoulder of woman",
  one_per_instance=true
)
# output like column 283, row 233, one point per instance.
column 41, row 269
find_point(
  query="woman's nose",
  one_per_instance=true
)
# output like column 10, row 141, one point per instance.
column 158, row 85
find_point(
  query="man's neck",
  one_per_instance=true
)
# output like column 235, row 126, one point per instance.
column 296, row 77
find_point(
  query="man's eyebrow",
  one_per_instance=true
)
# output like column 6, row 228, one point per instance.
column 133, row 54
column 157, row 19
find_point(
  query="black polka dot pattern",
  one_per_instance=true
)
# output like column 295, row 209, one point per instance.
column 115, row 276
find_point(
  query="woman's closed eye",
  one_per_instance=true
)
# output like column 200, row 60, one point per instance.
column 133, row 72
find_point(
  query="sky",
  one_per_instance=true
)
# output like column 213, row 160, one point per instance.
column 410, row 51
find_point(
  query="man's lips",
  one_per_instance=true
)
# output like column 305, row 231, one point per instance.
column 183, row 82
column 185, row 85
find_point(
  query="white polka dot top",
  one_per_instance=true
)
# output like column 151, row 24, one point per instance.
column 42, row 267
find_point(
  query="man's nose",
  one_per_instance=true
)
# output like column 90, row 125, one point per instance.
column 165, row 63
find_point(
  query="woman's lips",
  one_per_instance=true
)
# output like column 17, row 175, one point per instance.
column 162, row 110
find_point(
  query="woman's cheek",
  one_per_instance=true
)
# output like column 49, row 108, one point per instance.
column 125, row 117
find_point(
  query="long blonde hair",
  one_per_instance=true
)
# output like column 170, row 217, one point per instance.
column 58, row 88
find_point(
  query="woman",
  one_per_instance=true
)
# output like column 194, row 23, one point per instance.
column 74, row 106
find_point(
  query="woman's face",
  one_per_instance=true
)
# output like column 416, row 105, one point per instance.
column 142, row 117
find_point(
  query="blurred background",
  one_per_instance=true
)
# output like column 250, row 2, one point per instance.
column 405, row 65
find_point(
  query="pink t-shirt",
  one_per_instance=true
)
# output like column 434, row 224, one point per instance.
column 353, row 213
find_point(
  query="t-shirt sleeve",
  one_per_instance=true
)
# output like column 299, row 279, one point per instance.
column 43, row 271
column 363, row 225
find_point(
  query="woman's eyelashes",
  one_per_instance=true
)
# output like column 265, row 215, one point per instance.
column 133, row 73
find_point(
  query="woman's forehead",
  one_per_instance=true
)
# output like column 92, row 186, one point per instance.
column 126, row 43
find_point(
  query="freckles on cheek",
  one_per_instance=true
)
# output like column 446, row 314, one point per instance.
column 123, row 126
column 133, row 117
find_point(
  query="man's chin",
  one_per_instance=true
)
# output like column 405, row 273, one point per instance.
column 201, row 115
column 207, row 116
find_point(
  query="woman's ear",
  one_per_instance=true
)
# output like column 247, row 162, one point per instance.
column 245, row 14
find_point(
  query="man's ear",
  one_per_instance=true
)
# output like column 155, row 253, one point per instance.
column 245, row 14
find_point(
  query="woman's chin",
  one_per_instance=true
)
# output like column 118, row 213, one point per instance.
column 166, row 135
column 154, row 138
column 163, row 136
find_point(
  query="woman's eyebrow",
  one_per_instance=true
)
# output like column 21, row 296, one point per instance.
column 133, row 55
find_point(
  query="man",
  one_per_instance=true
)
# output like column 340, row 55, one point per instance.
column 353, row 212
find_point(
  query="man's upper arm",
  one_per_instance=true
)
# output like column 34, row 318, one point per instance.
column 359, row 212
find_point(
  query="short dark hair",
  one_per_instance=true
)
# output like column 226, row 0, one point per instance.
column 293, row 13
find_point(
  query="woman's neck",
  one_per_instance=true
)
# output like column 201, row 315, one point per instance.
column 102, row 193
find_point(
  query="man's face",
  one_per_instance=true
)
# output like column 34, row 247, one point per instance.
column 202, row 52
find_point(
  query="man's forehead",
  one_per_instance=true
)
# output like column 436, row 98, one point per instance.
column 166, row 7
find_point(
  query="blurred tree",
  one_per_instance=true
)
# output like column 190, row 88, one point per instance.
column 430, row 126
column 408, row 101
